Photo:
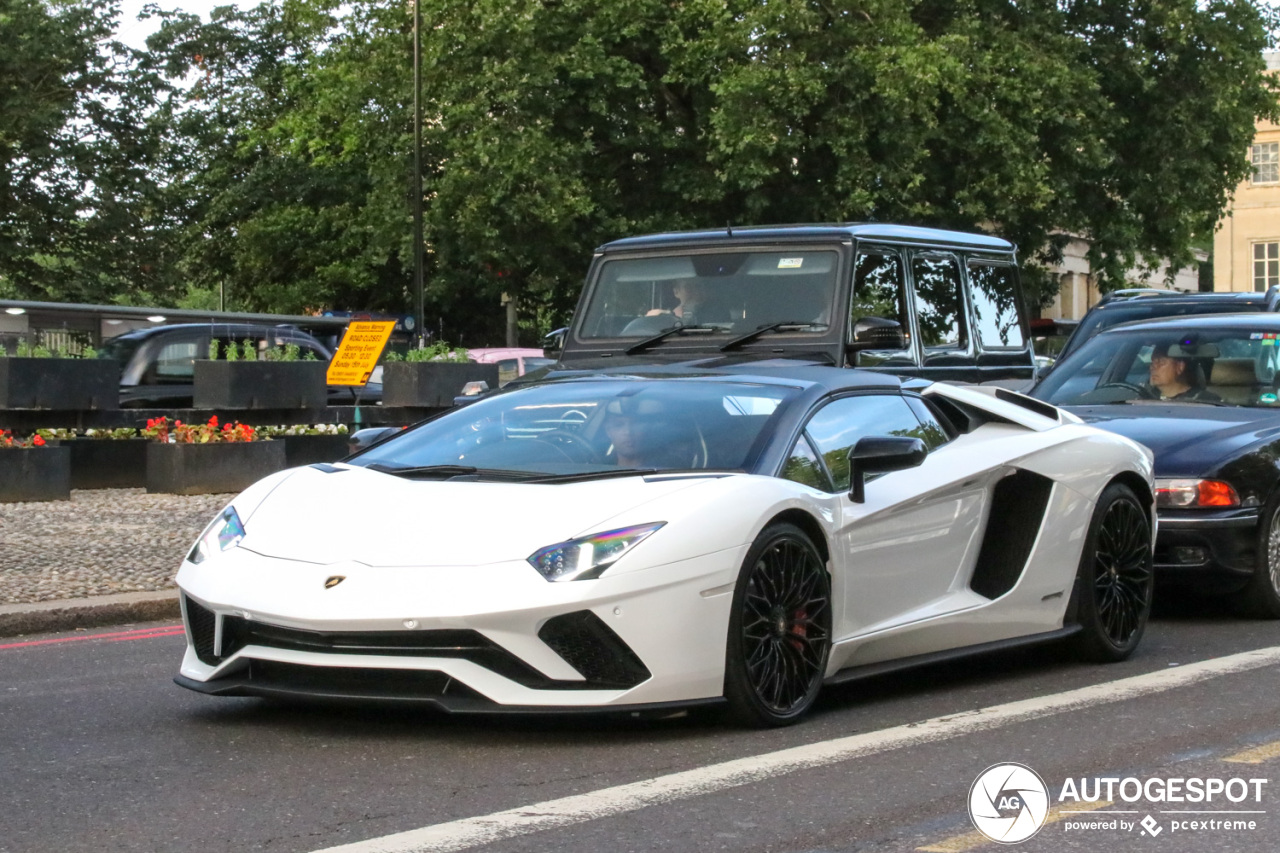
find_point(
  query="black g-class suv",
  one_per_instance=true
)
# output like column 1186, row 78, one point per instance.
column 899, row 299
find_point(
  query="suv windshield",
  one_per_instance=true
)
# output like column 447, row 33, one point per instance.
column 120, row 348
column 724, row 292
column 596, row 427
column 1231, row 366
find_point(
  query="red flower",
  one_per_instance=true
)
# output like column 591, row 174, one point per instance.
column 38, row 441
column 213, row 421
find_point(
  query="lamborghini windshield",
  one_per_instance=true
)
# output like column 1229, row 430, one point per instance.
column 591, row 428
column 729, row 293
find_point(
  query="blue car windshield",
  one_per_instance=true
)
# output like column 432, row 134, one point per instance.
column 590, row 427
column 1233, row 366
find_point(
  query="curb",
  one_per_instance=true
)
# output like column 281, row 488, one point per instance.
column 69, row 614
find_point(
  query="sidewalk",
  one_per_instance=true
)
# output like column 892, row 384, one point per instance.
column 103, row 558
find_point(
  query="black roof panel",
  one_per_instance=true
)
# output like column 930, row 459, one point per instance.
column 797, row 233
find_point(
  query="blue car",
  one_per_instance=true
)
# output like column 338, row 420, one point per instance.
column 1201, row 393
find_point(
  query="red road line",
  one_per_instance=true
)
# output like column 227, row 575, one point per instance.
column 113, row 636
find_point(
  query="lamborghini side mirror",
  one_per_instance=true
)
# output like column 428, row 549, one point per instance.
column 877, row 454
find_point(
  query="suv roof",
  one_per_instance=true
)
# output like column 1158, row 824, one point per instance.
column 226, row 328
column 1123, row 306
column 811, row 232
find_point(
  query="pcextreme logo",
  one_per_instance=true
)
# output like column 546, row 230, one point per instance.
column 1010, row 803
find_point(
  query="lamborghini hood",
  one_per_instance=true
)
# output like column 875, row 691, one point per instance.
column 364, row 516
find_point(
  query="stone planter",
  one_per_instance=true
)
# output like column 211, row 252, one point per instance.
column 35, row 474
column 205, row 469
column 431, row 384
column 310, row 449
column 260, row 385
column 107, row 463
column 63, row 384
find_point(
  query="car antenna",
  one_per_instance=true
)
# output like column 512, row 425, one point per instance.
column 728, row 227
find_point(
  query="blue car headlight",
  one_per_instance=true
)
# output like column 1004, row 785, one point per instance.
column 224, row 533
column 589, row 556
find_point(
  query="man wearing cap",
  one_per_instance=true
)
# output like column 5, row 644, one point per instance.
column 1176, row 377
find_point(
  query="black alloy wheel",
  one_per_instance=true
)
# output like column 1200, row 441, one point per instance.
column 779, row 629
column 1115, row 576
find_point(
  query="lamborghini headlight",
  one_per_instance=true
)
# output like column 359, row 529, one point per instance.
column 588, row 557
column 224, row 533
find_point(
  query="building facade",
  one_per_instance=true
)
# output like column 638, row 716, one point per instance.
column 1078, row 292
column 1246, row 246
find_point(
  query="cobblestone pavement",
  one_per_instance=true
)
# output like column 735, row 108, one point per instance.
column 100, row 542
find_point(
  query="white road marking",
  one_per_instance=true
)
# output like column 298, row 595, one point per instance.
column 580, row 808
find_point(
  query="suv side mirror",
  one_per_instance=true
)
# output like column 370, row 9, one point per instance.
column 877, row 333
column 877, row 454
column 553, row 342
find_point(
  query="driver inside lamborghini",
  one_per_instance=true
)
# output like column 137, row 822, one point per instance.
column 646, row 433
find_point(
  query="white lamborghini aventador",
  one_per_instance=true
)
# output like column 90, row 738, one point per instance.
column 623, row 541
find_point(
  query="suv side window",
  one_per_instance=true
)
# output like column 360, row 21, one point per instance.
column 939, row 298
column 995, row 306
column 879, row 290
column 835, row 429
column 175, row 364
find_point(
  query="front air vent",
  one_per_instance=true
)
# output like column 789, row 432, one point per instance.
column 203, row 625
column 594, row 650
column 461, row 643
column 1018, row 504
column 354, row 683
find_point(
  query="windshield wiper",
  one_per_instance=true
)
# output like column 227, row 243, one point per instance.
column 446, row 471
column 664, row 334
column 784, row 326
column 602, row 474
column 420, row 470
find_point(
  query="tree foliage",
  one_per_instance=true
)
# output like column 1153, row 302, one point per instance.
column 278, row 146
column 81, row 215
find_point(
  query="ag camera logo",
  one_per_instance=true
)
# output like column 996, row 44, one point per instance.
column 1008, row 803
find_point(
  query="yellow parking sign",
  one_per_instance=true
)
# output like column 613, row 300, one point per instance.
column 358, row 354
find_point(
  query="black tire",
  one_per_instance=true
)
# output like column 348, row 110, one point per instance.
column 779, row 629
column 1114, row 582
column 1261, row 596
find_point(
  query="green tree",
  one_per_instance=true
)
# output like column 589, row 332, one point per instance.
column 554, row 125
column 294, row 170
column 562, row 124
column 80, row 207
